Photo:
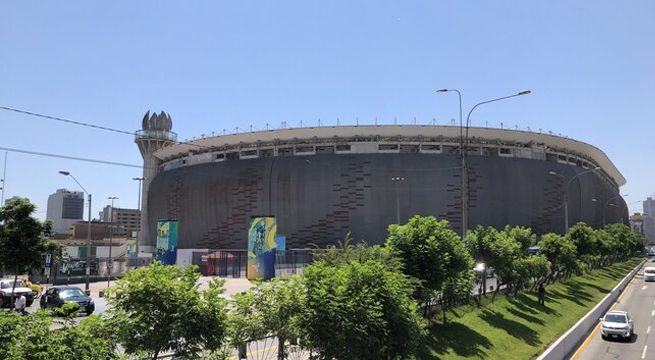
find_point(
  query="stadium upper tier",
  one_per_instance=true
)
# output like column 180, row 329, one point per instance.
column 389, row 139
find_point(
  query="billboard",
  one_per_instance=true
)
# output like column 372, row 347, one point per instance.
column 166, row 242
column 131, row 248
column 261, row 247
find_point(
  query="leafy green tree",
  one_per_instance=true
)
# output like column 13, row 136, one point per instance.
column 523, row 235
column 360, row 311
column 271, row 308
column 346, row 252
column 560, row 252
column 67, row 313
column 534, row 268
column 585, row 240
column 23, row 241
column 245, row 321
column 501, row 251
column 625, row 241
column 434, row 254
column 32, row 338
column 159, row 308
column 606, row 245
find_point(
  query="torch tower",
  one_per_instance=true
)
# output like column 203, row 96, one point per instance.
column 155, row 134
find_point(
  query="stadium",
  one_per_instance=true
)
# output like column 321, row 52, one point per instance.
column 322, row 182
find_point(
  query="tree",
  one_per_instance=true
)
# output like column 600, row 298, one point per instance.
column 31, row 338
column 23, row 241
column 360, row 311
column 523, row 235
column 160, row 308
column 499, row 250
column 561, row 253
column 433, row 254
column 533, row 268
column 585, row 240
column 272, row 308
column 346, row 252
column 625, row 241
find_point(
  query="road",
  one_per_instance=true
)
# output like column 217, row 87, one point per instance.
column 101, row 306
column 638, row 299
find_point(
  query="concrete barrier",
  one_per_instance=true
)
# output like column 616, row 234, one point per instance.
column 570, row 341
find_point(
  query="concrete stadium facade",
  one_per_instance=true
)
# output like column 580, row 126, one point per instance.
column 321, row 183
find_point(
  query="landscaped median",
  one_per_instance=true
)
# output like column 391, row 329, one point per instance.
column 518, row 327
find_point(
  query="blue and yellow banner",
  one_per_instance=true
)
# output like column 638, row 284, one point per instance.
column 261, row 247
column 166, row 242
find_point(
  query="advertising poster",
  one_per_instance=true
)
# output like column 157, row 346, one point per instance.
column 167, row 241
column 131, row 248
column 261, row 247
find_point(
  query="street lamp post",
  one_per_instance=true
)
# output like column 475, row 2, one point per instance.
column 464, row 148
column 608, row 203
column 138, row 232
column 88, row 233
column 462, row 158
column 566, row 193
column 396, row 180
column 111, row 230
column 481, row 269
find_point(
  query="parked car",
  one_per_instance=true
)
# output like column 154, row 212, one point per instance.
column 56, row 296
column 19, row 289
column 534, row 250
column 35, row 287
column 616, row 324
column 649, row 273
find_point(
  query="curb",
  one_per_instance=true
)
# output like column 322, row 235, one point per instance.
column 570, row 341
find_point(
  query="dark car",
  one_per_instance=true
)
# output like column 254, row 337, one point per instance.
column 58, row 295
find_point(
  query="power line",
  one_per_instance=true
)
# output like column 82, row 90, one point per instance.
column 71, row 157
column 79, row 123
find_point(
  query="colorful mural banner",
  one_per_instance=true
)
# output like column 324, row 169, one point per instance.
column 261, row 247
column 166, row 242
column 280, row 243
column 131, row 248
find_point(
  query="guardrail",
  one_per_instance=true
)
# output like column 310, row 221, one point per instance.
column 567, row 343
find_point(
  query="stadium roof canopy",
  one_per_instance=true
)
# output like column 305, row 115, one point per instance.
column 388, row 131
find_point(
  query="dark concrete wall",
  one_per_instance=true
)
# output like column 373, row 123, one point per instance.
column 318, row 199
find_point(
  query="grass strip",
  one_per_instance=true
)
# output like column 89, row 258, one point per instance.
column 518, row 327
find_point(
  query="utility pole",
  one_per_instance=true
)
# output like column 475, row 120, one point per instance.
column 138, row 232
column 3, row 181
column 111, row 230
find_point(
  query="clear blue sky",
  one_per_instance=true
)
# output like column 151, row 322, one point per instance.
column 217, row 65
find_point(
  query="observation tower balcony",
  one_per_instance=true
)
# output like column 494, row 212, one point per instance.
column 156, row 134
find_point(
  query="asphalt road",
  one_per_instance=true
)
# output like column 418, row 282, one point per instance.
column 101, row 306
column 638, row 299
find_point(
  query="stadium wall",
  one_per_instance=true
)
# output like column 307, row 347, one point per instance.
column 318, row 199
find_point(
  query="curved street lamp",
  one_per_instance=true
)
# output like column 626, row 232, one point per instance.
column 88, row 232
column 464, row 148
column 138, row 234
column 608, row 203
column 566, row 193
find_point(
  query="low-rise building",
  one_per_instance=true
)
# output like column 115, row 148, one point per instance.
column 126, row 221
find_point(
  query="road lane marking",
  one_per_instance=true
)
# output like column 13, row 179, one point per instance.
column 648, row 330
column 652, row 313
column 580, row 349
column 643, row 354
column 644, row 287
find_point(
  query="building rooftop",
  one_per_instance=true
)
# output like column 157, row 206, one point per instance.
column 387, row 133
